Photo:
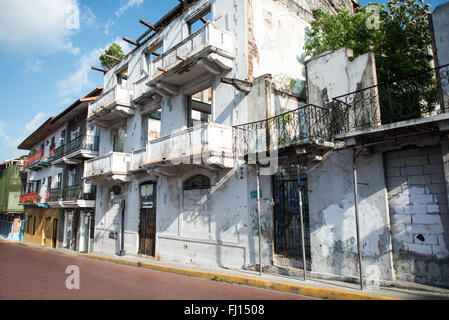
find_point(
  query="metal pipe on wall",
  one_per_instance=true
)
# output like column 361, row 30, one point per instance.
column 258, row 217
column 357, row 225
column 301, row 215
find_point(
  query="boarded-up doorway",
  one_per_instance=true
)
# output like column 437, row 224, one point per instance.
column 147, row 228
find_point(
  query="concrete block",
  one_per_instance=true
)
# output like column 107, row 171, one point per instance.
column 412, row 171
column 437, row 178
column 394, row 191
column 418, row 180
column 435, row 158
column 421, row 199
column 390, row 155
column 409, row 153
column 434, row 271
column 398, row 229
column 404, row 238
column 440, row 252
column 401, row 219
column 426, row 219
column 416, row 161
column 396, row 181
column 395, row 163
column 433, row 209
column 415, row 209
column 435, row 188
column 433, row 169
column 425, row 228
column 394, row 172
column 420, row 249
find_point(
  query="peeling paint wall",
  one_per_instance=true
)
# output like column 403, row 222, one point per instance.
column 336, row 73
column 332, row 216
column 419, row 214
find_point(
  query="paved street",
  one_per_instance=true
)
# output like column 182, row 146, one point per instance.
column 27, row 273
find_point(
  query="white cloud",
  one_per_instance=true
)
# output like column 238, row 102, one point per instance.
column 38, row 26
column 108, row 26
column 78, row 82
column 129, row 4
column 33, row 65
column 35, row 123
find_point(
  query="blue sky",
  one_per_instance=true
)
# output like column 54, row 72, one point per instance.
column 45, row 55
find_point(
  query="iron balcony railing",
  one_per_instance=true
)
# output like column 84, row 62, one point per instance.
column 307, row 124
column 71, row 193
column 422, row 95
column 87, row 142
column 84, row 142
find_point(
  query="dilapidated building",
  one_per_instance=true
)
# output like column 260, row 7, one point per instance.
column 221, row 146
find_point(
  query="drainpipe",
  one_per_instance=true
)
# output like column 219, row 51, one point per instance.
column 357, row 226
column 258, row 213
column 301, row 215
column 122, row 244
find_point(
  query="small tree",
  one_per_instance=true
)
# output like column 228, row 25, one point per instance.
column 400, row 43
column 113, row 50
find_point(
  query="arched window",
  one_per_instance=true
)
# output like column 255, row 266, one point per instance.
column 197, row 182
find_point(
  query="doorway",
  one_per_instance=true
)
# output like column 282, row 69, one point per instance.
column 147, row 227
column 85, row 222
column 287, row 221
column 55, row 233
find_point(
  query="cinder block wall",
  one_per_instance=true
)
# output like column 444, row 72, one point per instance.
column 419, row 214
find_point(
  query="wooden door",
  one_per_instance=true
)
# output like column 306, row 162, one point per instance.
column 147, row 229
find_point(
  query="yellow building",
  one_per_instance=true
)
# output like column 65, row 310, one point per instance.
column 42, row 226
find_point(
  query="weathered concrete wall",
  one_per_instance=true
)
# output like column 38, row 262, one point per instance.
column 440, row 18
column 204, row 227
column 419, row 213
column 332, row 216
column 336, row 73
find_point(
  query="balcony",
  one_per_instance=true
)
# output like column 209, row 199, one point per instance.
column 77, row 150
column 305, row 130
column 390, row 109
column 208, row 52
column 28, row 198
column 138, row 159
column 79, row 196
column 111, row 167
column 209, row 145
column 111, row 107
column 36, row 161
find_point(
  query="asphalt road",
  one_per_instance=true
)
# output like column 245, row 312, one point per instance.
column 33, row 274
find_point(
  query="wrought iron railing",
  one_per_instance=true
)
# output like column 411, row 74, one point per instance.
column 307, row 124
column 71, row 193
column 87, row 142
column 420, row 96
column 59, row 153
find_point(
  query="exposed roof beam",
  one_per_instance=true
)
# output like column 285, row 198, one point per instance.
column 147, row 24
column 130, row 41
column 113, row 58
column 98, row 69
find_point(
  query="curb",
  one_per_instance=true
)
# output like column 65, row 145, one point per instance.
column 323, row 293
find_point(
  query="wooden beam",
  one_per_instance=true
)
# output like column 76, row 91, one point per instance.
column 144, row 35
column 130, row 41
column 112, row 57
column 162, row 69
column 181, row 58
column 98, row 69
column 155, row 53
column 147, row 24
column 203, row 20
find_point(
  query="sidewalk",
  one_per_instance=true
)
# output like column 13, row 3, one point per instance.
column 325, row 289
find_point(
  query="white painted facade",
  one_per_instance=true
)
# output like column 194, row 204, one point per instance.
column 244, row 39
column 50, row 171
